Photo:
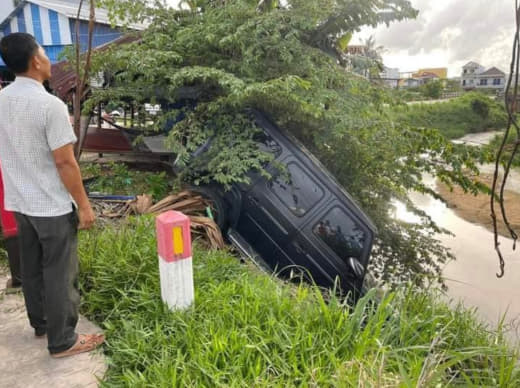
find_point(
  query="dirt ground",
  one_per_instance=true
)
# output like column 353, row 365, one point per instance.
column 476, row 209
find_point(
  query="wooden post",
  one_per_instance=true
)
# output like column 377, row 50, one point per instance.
column 175, row 259
column 99, row 116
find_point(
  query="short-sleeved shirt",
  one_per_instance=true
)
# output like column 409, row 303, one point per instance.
column 33, row 123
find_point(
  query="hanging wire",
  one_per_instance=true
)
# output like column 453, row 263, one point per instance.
column 510, row 103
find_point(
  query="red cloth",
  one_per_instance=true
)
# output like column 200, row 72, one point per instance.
column 8, row 222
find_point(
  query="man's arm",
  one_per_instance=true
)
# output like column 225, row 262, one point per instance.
column 70, row 174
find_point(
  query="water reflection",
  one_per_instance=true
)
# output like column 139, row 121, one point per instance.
column 471, row 278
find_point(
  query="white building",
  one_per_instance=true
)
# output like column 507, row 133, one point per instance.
column 475, row 76
column 492, row 79
column 391, row 77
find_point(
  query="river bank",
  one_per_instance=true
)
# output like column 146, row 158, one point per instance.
column 477, row 208
column 471, row 278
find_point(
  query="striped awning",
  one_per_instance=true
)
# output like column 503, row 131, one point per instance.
column 49, row 27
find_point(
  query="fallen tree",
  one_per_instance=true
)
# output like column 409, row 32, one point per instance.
column 229, row 56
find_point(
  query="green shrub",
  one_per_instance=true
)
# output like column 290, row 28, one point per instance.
column 473, row 112
column 118, row 179
column 432, row 89
column 248, row 329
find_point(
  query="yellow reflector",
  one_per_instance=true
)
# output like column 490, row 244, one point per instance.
column 178, row 243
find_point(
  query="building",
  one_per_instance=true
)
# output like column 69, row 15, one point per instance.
column 52, row 23
column 356, row 50
column 475, row 76
column 390, row 77
column 432, row 73
column 493, row 78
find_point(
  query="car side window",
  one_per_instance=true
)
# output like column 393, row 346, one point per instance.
column 296, row 189
column 342, row 234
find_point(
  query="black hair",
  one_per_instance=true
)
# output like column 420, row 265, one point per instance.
column 17, row 49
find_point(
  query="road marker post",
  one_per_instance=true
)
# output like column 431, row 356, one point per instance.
column 175, row 259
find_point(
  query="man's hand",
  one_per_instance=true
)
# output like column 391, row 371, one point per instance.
column 70, row 175
column 86, row 218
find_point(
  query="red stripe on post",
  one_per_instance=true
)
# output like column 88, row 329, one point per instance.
column 165, row 225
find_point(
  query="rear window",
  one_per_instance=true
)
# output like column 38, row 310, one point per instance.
column 342, row 234
column 297, row 190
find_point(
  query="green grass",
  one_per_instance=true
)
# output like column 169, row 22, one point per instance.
column 119, row 179
column 248, row 329
column 473, row 112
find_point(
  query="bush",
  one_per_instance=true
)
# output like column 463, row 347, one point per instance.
column 119, row 179
column 432, row 89
column 473, row 112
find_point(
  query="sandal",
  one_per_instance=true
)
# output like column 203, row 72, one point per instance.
column 84, row 343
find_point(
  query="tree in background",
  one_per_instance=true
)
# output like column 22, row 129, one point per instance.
column 287, row 61
column 432, row 89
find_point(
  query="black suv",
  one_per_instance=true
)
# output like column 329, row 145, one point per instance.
column 300, row 223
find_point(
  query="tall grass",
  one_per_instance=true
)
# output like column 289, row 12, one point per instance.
column 248, row 329
column 473, row 112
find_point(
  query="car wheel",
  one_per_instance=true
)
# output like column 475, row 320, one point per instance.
column 212, row 194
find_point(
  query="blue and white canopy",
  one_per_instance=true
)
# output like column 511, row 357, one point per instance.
column 49, row 27
column 52, row 23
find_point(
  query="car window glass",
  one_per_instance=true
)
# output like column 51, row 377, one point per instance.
column 296, row 189
column 342, row 234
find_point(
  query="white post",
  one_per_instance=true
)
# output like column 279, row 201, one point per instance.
column 175, row 259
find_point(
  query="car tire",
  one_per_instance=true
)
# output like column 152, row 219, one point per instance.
column 213, row 195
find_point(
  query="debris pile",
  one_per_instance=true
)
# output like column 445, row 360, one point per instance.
column 193, row 205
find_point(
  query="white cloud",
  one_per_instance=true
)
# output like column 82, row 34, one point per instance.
column 449, row 33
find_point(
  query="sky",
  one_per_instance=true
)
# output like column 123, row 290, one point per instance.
column 449, row 33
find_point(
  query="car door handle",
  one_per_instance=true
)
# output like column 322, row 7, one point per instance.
column 299, row 248
column 254, row 200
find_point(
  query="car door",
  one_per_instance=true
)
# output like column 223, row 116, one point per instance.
column 336, row 243
column 275, row 209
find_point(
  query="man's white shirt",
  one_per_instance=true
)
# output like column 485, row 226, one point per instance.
column 33, row 123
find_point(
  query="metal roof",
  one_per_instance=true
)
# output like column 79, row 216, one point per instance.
column 493, row 72
column 472, row 64
column 69, row 8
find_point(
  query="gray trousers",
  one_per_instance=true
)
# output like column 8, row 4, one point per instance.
column 49, row 261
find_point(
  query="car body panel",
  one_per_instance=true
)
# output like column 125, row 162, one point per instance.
column 301, row 221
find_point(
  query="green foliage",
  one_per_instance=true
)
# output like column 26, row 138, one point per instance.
column 235, row 56
column 118, row 179
column 432, row 89
column 481, row 108
column 473, row 112
column 511, row 141
column 247, row 329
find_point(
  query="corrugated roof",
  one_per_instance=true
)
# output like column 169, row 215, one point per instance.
column 472, row 64
column 63, row 80
column 69, row 8
column 493, row 72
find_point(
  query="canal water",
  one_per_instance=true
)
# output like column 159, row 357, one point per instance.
column 471, row 278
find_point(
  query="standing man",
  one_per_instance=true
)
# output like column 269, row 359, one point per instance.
column 40, row 177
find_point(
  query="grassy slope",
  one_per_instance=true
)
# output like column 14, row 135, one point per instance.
column 248, row 329
column 454, row 118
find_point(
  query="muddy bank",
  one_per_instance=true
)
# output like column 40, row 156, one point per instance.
column 476, row 209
